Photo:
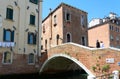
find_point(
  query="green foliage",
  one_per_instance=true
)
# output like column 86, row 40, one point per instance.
column 94, row 68
column 106, row 67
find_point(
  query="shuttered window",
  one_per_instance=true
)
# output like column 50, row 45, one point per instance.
column 8, row 35
column 9, row 13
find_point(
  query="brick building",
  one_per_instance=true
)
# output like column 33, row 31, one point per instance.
column 64, row 24
column 18, row 25
column 106, row 30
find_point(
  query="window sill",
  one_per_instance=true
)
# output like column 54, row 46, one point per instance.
column 31, row 44
column 68, row 21
column 32, row 25
column 6, row 63
column 31, row 63
column 9, row 19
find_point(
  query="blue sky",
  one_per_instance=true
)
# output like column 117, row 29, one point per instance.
column 94, row 8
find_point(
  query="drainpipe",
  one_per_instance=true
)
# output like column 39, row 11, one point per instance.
column 50, row 26
column 39, row 29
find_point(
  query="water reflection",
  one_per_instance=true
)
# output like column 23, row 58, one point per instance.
column 68, row 75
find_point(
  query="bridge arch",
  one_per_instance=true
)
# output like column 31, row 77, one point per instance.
column 65, row 57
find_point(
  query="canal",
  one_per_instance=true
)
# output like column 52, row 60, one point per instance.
column 63, row 75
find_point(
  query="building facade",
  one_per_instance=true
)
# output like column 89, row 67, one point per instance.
column 107, row 31
column 64, row 24
column 18, row 36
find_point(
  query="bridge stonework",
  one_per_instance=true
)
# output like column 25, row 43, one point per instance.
column 89, row 57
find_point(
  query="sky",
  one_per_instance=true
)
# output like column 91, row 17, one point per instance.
column 94, row 8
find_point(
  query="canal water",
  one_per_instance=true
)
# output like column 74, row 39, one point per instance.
column 66, row 75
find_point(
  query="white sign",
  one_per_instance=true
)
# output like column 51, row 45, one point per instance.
column 109, row 60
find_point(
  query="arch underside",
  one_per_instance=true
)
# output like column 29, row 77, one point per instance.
column 63, row 63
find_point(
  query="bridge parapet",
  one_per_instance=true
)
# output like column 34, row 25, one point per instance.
column 93, row 59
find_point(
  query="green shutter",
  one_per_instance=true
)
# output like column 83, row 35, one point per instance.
column 12, row 36
column 4, row 35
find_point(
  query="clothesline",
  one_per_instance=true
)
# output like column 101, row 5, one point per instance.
column 7, row 44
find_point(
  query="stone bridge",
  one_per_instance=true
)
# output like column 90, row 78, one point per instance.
column 92, row 61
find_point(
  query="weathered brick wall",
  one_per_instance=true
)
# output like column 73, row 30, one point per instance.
column 20, row 65
column 88, row 57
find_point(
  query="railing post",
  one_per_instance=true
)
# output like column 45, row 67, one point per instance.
column 91, row 77
column 116, row 74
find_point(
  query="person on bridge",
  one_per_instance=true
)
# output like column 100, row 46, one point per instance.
column 97, row 44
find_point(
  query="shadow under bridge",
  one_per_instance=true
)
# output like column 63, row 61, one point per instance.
column 63, row 65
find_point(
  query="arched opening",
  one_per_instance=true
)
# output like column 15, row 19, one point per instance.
column 68, row 37
column 64, row 66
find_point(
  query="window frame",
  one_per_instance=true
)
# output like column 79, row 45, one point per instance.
column 83, row 40
column 34, row 40
column 11, row 58
column 82, row 20
column 5, row 36
column 9, row 13
column 67, row 16
column 55, row 20
column 32, row 19
column 70, row 38
column 34, row 1
column 33, row 59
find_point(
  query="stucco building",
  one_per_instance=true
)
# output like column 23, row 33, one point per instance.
column 64, row 24
column 18, row 33
column 106, row 30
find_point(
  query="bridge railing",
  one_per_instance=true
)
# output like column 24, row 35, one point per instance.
column 106, row 76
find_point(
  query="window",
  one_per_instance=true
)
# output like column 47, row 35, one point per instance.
column 32, row 19
column 111, row 38
column 34, row 1
column 31, row 59
column 83, row 41
column 9, row 13
column 55, row 20
column 44, row 28
column 67, row 16
column 31, row 38
column 68, row 37
column 46, row 44
column 8, row 35
column 41, row 47
column 111, row 27
column 57, row 38
column 82, row 20
column 7, row 58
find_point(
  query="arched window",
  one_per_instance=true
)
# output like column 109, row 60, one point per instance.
column 68, row 37
column 7, row 57
column 31, row 59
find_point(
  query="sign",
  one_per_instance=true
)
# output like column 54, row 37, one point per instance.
column 118, row 63
column 109, row 60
